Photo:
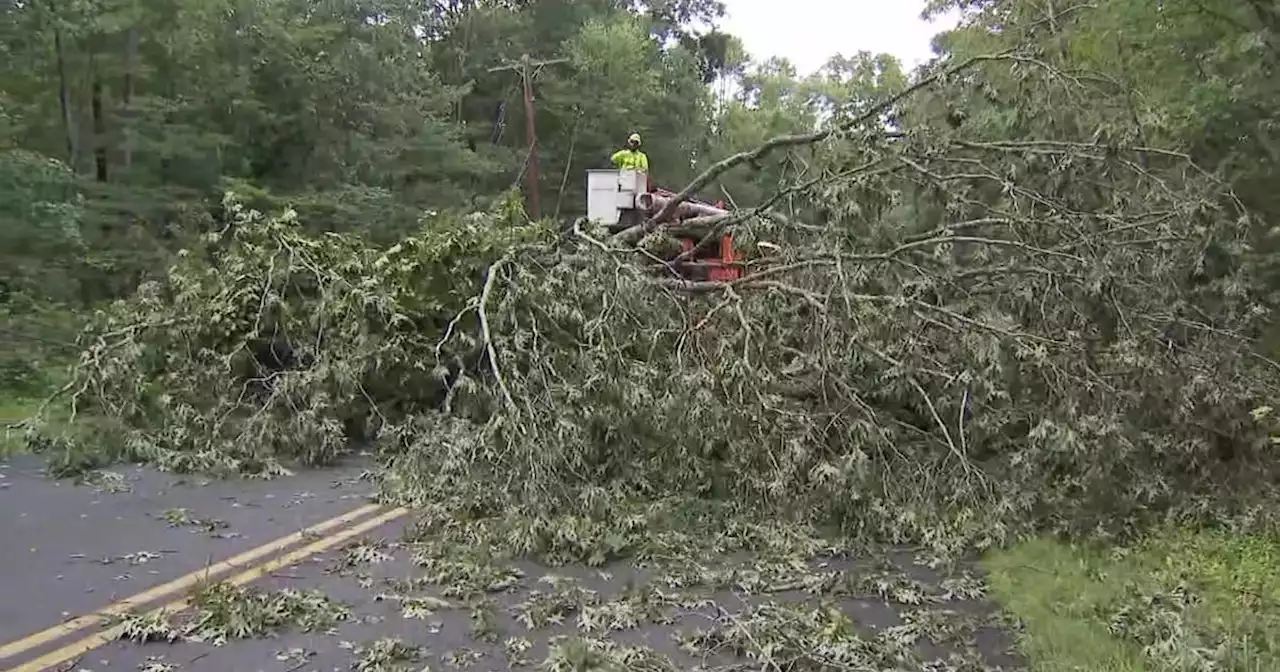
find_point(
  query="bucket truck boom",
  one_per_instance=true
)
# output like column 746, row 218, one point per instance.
column 619, row 199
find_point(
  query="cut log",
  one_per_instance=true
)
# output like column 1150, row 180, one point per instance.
column 653, row 203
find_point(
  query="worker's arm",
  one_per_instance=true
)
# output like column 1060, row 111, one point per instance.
column 617, row 158
column 643, row 160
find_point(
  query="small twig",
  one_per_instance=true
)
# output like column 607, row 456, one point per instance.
column 729, row 197
column 955, row 450
column 564, row 179
column 746, row 325
column 760, row 651
column 453, row 323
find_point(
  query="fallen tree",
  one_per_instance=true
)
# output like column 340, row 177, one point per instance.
column 264, row 343
column 985, row 336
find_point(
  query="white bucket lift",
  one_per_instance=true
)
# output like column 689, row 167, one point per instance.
column 610, row 193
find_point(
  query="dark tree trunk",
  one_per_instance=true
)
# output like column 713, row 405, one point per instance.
column 126, row 98
column 99, row 131
column 64, row 89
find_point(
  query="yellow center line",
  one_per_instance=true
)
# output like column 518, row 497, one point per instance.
column 77, row 649
column 163, row 590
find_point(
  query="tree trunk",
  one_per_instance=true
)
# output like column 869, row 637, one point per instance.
column 166, row 161
column 99, row 129
column 64, row 89
column 126, row 98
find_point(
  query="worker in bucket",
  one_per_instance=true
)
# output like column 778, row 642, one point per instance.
column 631, row 158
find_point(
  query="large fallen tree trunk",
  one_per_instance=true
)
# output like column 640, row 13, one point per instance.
column 654, row 203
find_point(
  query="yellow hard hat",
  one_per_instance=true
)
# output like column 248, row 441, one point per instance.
column 635, row 137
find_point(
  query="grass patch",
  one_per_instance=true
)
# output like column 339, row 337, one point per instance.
column 76, row 448
column 14, row 409
column 17, row 405
column 1179, row 600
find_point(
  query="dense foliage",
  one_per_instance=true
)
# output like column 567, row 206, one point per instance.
column 1027, row 285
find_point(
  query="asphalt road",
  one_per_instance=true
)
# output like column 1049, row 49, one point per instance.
column 446, row 639
column 72, row 550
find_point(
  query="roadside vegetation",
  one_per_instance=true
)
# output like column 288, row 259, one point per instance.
column 1017, row 302
column 1176, row 600
column 37, row 349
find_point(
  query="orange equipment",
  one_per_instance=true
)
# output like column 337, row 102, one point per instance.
column 719, row 265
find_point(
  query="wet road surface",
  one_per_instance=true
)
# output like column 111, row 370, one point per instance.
column 73, row 549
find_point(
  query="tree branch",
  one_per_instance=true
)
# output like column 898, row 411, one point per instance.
column 485, row 332
column 634, row 233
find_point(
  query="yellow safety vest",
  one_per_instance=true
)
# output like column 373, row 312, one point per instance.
column 630, row 159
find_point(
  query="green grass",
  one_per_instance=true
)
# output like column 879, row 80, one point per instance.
column 1180, row 600
column 18, row 405
column 14, row 409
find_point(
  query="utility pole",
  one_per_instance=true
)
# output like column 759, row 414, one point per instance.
column 525, row 67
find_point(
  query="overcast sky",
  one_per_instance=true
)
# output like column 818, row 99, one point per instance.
column 808, row 32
